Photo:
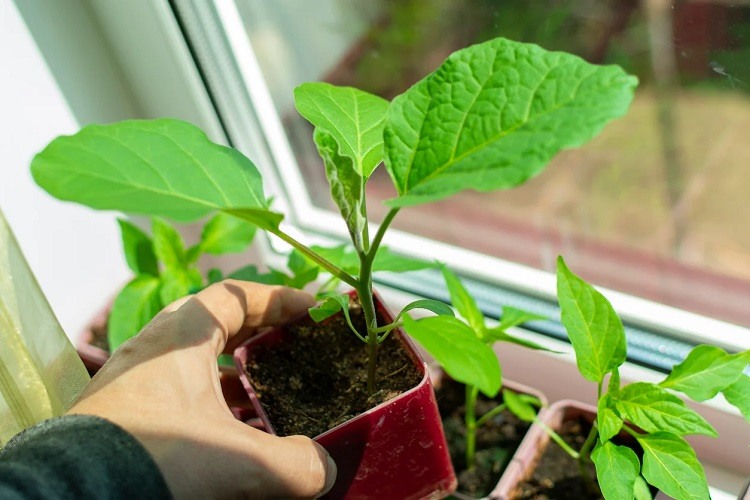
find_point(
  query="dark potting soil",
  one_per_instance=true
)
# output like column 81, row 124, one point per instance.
column 496, row 442
column 319, row 380
column 556, row 475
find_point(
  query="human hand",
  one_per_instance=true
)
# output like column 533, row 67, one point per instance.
column 163, row 387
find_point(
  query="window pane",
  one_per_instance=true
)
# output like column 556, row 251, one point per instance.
column 655, row 207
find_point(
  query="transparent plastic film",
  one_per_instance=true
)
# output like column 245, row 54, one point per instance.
column 40, row 372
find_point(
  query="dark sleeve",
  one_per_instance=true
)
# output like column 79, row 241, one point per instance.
column 78, row 456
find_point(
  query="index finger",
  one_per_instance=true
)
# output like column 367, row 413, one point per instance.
column 232, row 304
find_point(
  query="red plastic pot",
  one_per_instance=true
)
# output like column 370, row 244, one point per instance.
column 439, row 375
column 94, row 357
column 395, row 450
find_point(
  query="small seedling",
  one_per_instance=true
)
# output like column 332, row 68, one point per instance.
column 166, row 270
column 463, row 347
column 650, row 413
column 490, row 117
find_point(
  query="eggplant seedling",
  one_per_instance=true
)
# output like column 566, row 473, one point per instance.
column 655, row 417
column 463, row 347
column 490, row 117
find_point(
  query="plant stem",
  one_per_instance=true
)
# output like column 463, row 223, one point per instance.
column 484, row 418
column 584, row 456
column 364, row 291
column 471, row 425
column 381, row 232
column 325, row 264
column 557, row 439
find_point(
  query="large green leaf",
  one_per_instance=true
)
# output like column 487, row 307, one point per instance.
column 706, row 371
column 162, row 167
column 347, row 185
column 226, row 234
column 458, row 350
column 738, row 394
column 654, row 409
column 593, row 327
column 135, row 306
column 264, row 219
column 670, row 464
column 493, row 115
column 642, row 490
column 138, row 249
column 463, row 301
column 351, row 116
column 515, row 317
column 617, row 468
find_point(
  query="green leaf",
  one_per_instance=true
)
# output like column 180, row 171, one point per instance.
column 251, row 273
column 226, row 360
column 463, row 301
column 345, row 257
column 135, row 306
column 617, row 468
column 493, row 115
column 138, row 249
column 670, row 464
column 264, row 219
column 435, row 306
column 458, row 350
column 165, row 167
column 514, row 317
column 498, row 334
column 330, row 306
column 607, row 419
column 347, row 185
column 226, row 234
column 593, row 327
column 215, row 275
column 706, row 371
column 738, row 394
column 177, row 283
column 351, row 116
column 641, row 489
column 518, row 407
column 387, row 261
column 303, row 270
column 654, row 409
column 168, row 244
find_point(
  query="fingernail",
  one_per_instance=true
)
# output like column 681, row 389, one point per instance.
column 331, row 471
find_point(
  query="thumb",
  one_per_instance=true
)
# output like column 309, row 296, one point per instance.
column 299, row 466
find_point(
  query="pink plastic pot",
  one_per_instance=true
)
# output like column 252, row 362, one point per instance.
column 439, row 375
column 395, row 450
column 94, row 357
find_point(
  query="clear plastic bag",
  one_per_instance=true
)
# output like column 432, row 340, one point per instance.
column 40, row 372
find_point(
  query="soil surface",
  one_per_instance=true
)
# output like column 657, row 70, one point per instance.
column 556, row 475
column 497, row 439
column 319, row 380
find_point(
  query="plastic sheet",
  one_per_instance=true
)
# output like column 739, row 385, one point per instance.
column 40, row 371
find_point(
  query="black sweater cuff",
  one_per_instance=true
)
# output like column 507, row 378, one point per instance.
column 78, row 456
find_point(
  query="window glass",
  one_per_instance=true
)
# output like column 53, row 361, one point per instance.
column 655, row 207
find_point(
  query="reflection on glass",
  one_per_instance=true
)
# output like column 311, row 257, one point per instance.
column 656, row 206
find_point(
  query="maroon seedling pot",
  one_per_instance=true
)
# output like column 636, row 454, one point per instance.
column 392, row 451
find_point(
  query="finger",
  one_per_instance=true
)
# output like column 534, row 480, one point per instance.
column 298, row 466
column 230, row 305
